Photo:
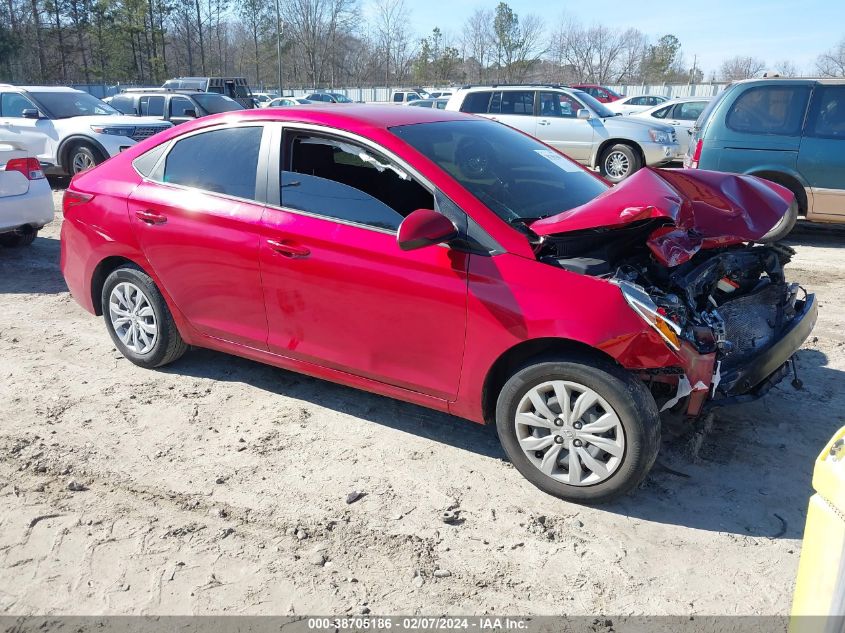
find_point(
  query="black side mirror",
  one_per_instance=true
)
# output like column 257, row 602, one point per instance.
column 190, row 113
column 30, row 113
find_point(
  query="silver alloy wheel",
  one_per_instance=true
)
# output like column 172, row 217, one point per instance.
column 133, row 318
column 570, row 433
column 81, row 162
column 617, row 165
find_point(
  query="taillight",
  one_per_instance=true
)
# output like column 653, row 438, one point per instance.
column 696, row 154
column 74, row 198
column 29, row 167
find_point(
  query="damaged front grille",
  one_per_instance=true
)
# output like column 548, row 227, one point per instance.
column 754, row 321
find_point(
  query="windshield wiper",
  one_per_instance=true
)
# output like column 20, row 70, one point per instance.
column 526, row 220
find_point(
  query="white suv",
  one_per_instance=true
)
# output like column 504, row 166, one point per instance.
column 68, row 130
column 576, row 124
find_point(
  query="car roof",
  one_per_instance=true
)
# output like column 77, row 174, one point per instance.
column 809, row 80
column 686, row 100
column 42, row 88
column 342, row 116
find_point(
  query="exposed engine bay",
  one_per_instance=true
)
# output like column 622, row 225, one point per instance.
column 732, row 302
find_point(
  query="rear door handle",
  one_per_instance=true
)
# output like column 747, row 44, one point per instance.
column 543, row 122
column 151, row 217
column 287, row 249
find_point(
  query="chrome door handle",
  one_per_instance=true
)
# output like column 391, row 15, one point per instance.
column 542, row 122
column 287, row 249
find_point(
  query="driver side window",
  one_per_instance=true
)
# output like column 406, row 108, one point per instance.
column 558, row 105
column 12, row 104
column 339, row 179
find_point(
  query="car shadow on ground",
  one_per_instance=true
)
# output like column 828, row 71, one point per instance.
column 32, row 269
column 758, row 490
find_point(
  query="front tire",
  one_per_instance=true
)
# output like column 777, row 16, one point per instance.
column 582, row 430
column 83, row 157
column 138, row 320
column 619, row 161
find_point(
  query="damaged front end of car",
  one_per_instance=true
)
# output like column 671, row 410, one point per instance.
column 686, row 251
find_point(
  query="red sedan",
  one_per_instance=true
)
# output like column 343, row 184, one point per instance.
column 449, row 261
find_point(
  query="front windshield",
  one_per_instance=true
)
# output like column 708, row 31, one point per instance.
column 214, row 103
column 342, row 98
column 516, row 176
column 63, row 105
column 594, row 104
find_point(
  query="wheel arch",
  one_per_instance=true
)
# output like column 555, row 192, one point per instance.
column 101, row 272
column 617, row 141
column 788, row 179
column 520, row 355
column 72, row 141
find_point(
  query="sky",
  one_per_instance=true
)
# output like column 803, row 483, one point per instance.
column 771, row 30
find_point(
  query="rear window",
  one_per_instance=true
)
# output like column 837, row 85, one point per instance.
column 512, row 102
column 201, row 161
column 151, row 106
column 689, row 110
column 476, row 102
column 777, row 110
column 827, row 114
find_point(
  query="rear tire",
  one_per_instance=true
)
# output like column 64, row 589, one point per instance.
column 624, row 420
column 619, row 161
column 17, row 240
column 138, row 320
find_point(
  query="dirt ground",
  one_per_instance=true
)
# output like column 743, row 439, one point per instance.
column 219, row 485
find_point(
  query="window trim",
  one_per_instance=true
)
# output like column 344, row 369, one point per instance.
column 261, row 175
column 274, row 174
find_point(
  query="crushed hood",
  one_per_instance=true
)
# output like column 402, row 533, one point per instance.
column 694, row 208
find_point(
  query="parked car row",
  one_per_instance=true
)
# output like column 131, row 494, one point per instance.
column 68, row 130
column 575, row 123
column 175, row 106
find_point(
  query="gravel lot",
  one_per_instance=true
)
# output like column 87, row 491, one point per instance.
column 218, row 485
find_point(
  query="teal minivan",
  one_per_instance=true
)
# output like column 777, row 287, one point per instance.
column 789, row 131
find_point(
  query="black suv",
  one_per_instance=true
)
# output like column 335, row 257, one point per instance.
column 329, row 97
column 176, row 106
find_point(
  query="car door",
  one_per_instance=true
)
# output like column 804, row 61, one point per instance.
column 152, row 106
column 683, row 117
column 559, row 126
column 37, row 135
column 339, row 291
column 181, row 110
column 196, row 218
column 762, row 128
column 821, row 158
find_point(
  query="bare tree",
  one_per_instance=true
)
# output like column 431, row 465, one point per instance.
column 314, row 26
column 598, row 53
column 477, row 41
column 832, row 62
column 740, row 67
column 393, row 37
column 786, row 68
